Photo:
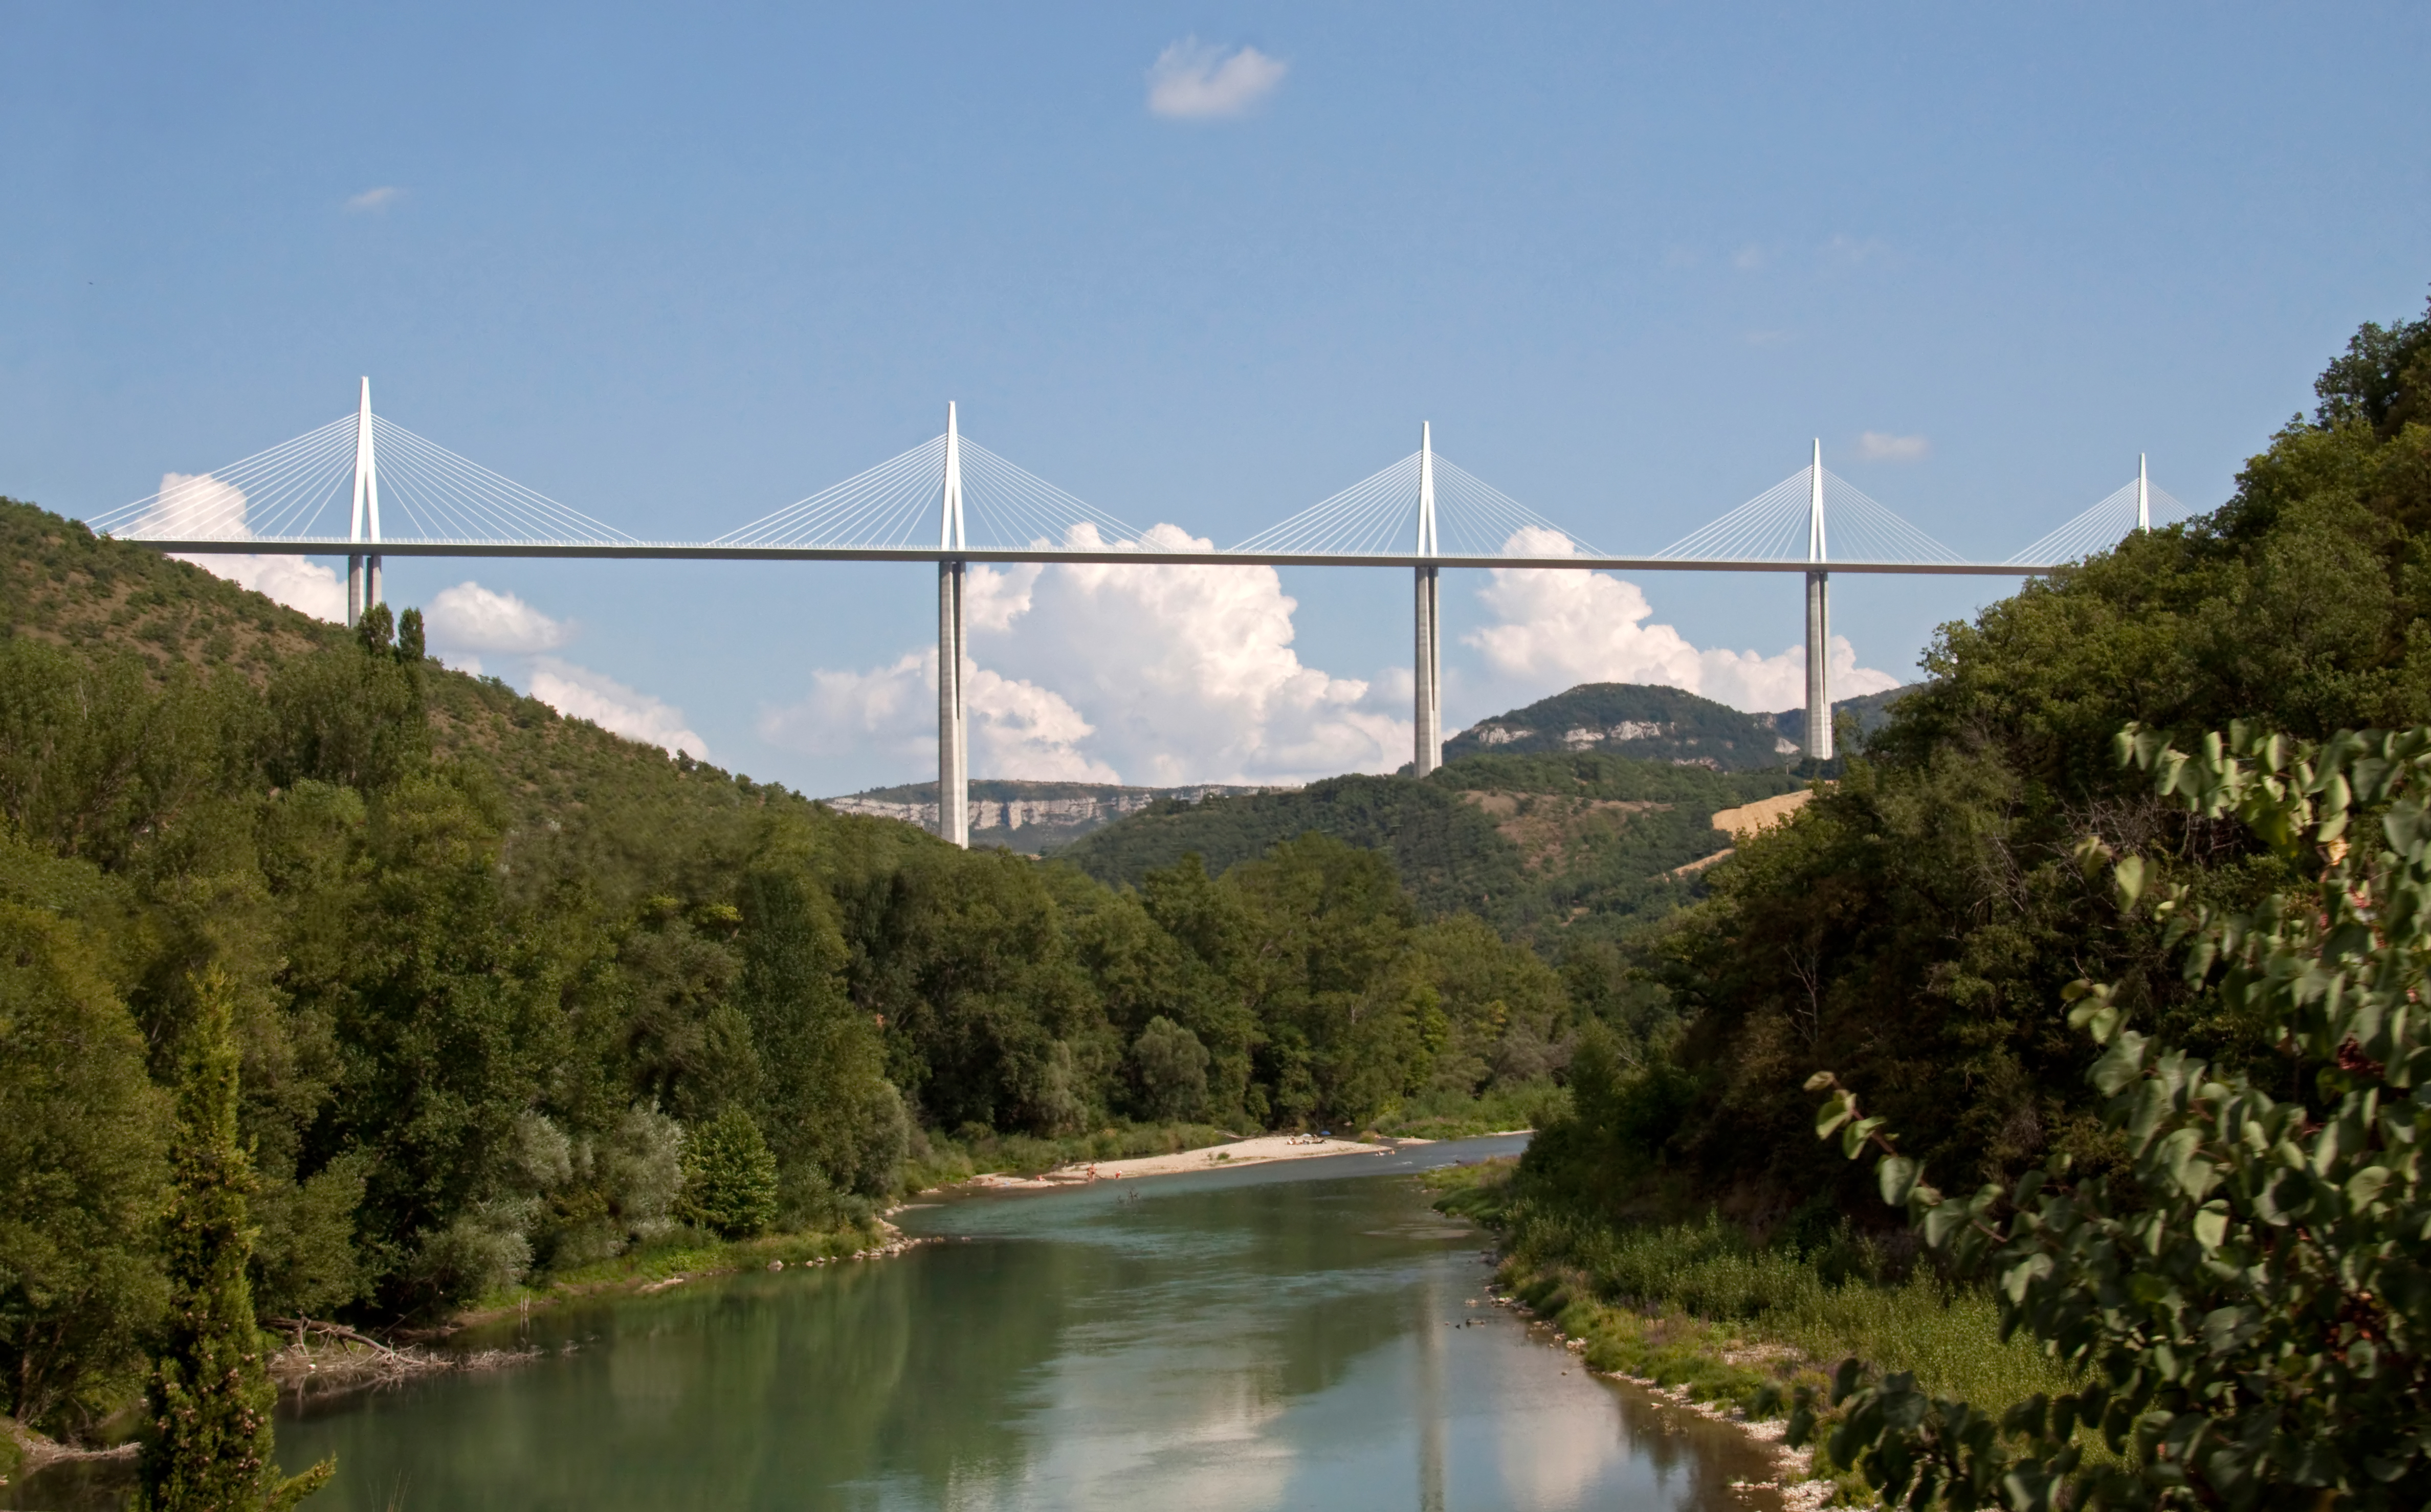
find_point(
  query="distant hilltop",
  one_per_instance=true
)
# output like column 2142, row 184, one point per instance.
column 1030, row 817
column 1657, row 724
column 1639, row 721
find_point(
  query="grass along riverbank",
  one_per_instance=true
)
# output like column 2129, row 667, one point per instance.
column 681, row 1256
column 1699, row 1310
column 1458, row 1115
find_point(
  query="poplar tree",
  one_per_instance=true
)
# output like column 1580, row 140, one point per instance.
column 211, row 1395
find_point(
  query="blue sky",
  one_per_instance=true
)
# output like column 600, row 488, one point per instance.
column 679, row 269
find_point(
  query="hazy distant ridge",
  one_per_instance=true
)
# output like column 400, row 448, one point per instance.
column 1029, row 816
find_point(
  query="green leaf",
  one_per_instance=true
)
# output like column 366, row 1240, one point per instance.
column 2018, row 1278
column 2189, row 1170
column 1898, row 1176
column 2128, row 878
column 2122, row 1064
column 1853, row 1138
column 2229, row 1328
column 1941, row 1222
column 2364, row 1186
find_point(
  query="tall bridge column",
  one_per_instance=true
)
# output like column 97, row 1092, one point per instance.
column 1428, row 754
column 953, row 729
column 1819, row 620
column 1818, row 689
column 364, row 572
column 953, row 726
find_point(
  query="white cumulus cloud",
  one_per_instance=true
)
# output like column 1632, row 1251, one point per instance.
column 1881, row 446
column 1018, row 729
column 308, row 586
column 197, row 504
column 579, row 693
column 1553, row 630
column 1188, row 673
column 1192, row 79
column 469, row 617
column 1151, row 674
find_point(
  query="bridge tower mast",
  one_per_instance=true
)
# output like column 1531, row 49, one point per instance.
column 1819, row 620
column 953, row 731
column 364, row 572
column 1429, row 754
column 2143, row 494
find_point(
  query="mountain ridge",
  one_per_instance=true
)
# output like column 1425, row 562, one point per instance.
column 1651, row 722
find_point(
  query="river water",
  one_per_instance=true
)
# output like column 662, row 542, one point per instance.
column 1306, row 1335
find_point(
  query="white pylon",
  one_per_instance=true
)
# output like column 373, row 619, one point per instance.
column 2143, row 494
column 953, row 735
column 1819, row 620
column 364, row 572
column 1429, row 677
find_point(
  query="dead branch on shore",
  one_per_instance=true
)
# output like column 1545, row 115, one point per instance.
column 323, row 1357
column 38, row 1452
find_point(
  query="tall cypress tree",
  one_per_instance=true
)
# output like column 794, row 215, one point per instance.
column 209, row 1445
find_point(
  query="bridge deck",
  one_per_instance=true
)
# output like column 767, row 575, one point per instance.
column 663, row 552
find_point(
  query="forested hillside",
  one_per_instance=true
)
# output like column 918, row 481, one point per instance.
column 1539, row 846
column 507, row 990
column 1914, row 929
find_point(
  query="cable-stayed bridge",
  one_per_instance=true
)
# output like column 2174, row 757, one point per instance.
column 954, row 502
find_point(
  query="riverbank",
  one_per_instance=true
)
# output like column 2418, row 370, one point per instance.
column 1698, row 1313
column 1263, row 1149
column 679, row 1257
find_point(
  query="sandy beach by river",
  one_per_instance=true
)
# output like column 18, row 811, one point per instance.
column 1256, row 1151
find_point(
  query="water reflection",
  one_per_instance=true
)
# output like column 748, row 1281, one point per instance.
column 1276, row 1337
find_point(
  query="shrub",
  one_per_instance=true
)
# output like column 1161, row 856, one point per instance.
column 730, row 1178
column 642, row 1164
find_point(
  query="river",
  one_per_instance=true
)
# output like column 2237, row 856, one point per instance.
column 1302, row 1335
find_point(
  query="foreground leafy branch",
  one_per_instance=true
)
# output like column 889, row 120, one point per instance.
column 2249, row 1305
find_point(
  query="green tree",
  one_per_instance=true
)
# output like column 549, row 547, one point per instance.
column 94, row 755
column 409, row 636
column 832, row 1118
column 1343, row 1027
column 209, row 1441
column 2249, row 1302
column 376, row 629
column 444, row 1009
column 82, row 1139
column 2384, row 380
column 730, row 1178
column 352, row 718
column 1172, row 1069
column 989, row 1017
